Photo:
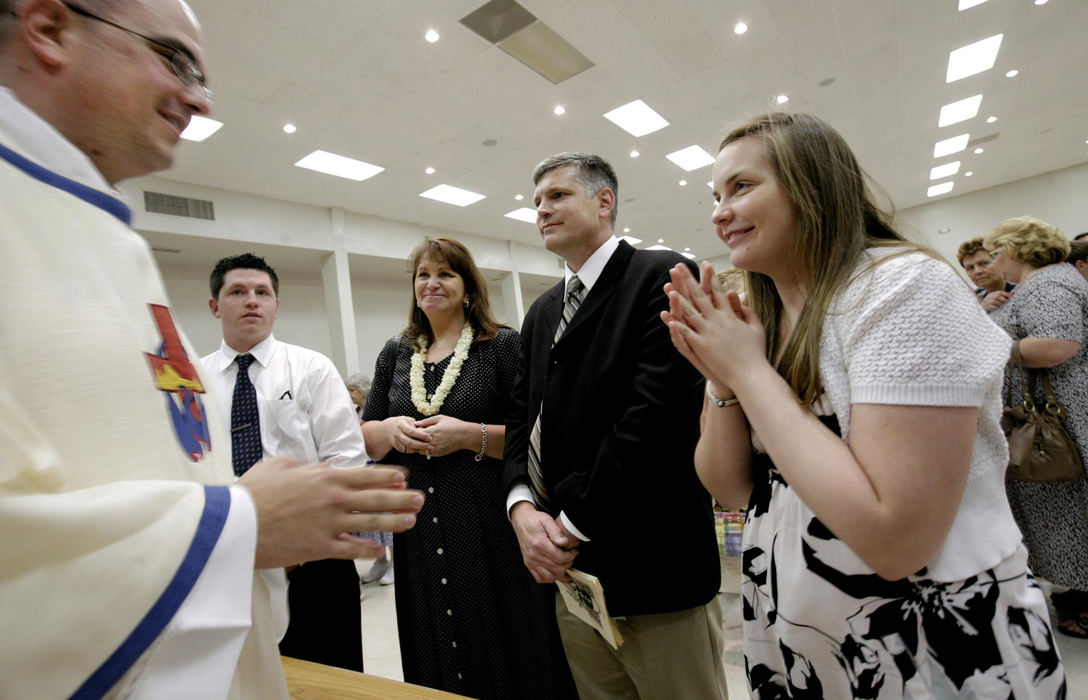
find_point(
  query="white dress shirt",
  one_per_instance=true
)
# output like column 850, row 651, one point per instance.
column 305, row 409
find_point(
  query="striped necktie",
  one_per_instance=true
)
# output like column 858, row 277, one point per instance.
column 575, row 291
column 245, row 424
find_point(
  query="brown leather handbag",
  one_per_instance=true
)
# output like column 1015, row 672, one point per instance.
column 1040, row 448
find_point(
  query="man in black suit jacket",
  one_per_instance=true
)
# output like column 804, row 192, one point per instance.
column 616, row 494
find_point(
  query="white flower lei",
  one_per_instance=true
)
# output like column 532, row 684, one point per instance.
column 419, row 392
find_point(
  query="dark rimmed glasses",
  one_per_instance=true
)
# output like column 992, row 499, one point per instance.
column 182, row 63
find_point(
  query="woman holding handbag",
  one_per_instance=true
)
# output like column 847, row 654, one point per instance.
column 1048, row 314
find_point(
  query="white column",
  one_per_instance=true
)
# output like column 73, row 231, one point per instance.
column 511, row 289
column 336, row 282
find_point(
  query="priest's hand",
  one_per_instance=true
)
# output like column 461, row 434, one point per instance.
column 305, row 513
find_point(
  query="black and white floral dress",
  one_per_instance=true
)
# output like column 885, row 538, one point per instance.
column 818, row 621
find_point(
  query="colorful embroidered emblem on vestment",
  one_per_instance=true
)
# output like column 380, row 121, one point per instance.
column 177, row 376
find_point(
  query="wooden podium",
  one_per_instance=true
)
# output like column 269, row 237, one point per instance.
column 309, row 681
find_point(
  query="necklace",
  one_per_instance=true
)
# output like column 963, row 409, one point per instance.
column 453, row 370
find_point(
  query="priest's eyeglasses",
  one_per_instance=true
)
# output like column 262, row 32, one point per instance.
column 179, row 59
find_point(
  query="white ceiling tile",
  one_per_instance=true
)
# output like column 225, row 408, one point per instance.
column 358, row 78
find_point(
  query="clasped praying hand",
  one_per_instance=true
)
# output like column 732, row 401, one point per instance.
column 711, row 328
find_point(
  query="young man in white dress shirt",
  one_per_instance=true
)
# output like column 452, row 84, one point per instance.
column 303, row 411
column 129, row 558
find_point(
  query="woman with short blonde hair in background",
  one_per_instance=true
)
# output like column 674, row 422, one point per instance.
column 1048, row 315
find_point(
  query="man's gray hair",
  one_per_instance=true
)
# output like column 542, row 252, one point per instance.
column 595, row 174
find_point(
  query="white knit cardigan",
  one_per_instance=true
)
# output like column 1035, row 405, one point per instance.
column 908, row 331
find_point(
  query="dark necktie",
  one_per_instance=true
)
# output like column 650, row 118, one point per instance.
column 575, row 291
column 245, row 424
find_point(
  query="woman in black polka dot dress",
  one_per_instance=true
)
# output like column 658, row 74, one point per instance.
column 471, row 619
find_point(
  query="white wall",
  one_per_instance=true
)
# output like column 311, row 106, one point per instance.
column 1059, row 197
column 302, row 318
column 311, row 234
column 380, row 304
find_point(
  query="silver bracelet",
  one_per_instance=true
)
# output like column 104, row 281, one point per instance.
column 483, row 443
column 720, row 403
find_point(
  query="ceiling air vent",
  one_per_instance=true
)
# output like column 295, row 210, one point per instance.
column 159, row 203
column 519, row 33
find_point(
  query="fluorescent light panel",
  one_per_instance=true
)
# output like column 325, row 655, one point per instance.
column 943, row 171
column 950, row 146
column 973, row 58
column 452, row 195
column 968, row 4
column 631, row 239
column 959, row 111
column 636, row 118
column 340, row 166
column 938, row 190
column 200, row 128
column 691, row 158
column 522, row 214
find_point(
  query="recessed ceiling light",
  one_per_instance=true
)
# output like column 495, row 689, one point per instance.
column 710, row 184
column 949, row 146
column 452, row 195
column 658, row 247
column 943, row 171
column 683, row 183
column 687, row 250
column 740, row 28
column 627, row 229
column 636, row 118
column 635, row 154
column 973, row 58
column 340, row 166
column 431, row 36
column 289, row 128
column 689, row 256
column 519, row 197
column 960, row 110
column 1040, row 2
column 200, row 128
column 631, row 239
column 968, row 173
column 559, row 110
column 991, row 119
column 691, row 158
column 943, row 229
column 660, row 240
column 978, row 150
column 937, row 190
column 782, row 99
column 429, row 170
column 968, row 4
column 1012, row 74
column 523, row 214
